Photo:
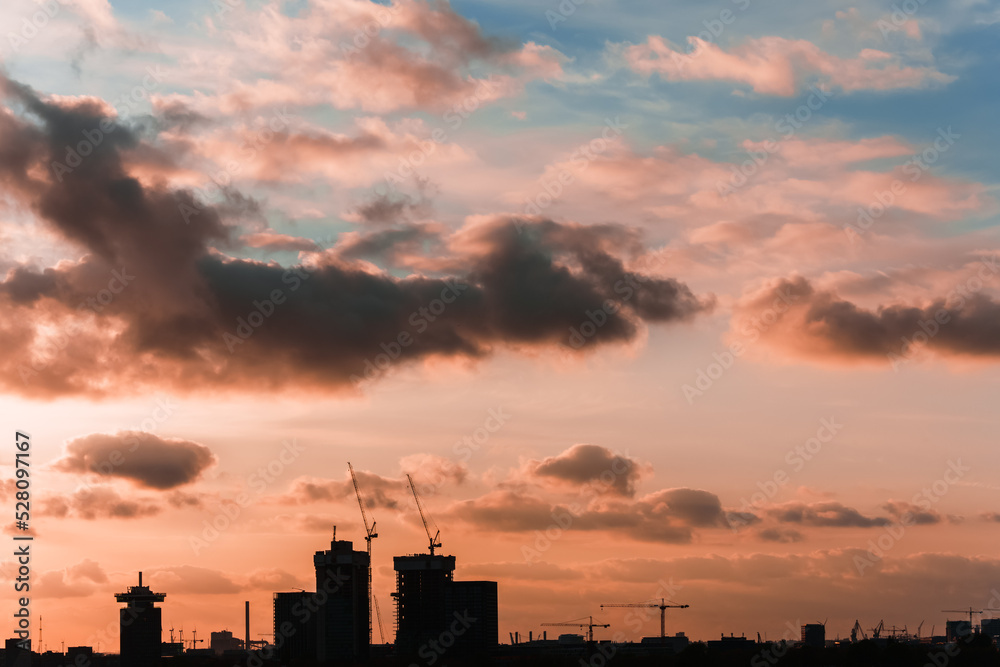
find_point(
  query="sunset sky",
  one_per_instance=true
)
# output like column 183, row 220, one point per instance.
column 688, row 300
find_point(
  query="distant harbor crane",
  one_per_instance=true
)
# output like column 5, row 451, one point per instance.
column 590, row 625
column 662, row 606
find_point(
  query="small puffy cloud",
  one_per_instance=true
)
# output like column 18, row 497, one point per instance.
column 777, row 66
column 591, row 465
column 432, row 470
column 378, row 491
column 907, row 513
column 98, row 503
column 823, row 514
column 780, row 535
column 143, row 458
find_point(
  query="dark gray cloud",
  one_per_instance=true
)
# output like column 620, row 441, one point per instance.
column 668, row 516
column 143, row 458
column 821, row 323
column 184, row 316
column 828, row 514
column 598, row 467
column 909, row 513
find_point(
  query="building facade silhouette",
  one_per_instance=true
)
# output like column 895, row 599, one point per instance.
column 141, row 626
column 342, row 598
column 434, row 611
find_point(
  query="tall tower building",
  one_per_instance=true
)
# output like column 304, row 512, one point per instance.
column 141, row 626
column 342, row 596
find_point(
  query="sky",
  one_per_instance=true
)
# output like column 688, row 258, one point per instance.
column 688, row 300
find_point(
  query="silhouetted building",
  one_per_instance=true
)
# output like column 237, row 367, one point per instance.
column 342, row 597
column 991, row 627
column 814, row 634
column 432, row 607
column 140, row 626
column 421, row 605
column 295, row 628
column 224, row 641
column 172, row 649
column 955, row 630
column 471, row 612
column 16, row 653
column 79, row 655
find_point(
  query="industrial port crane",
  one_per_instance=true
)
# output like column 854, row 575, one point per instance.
column 662, row 606
column 590, row 625
column 423, row 517
column 370, row 535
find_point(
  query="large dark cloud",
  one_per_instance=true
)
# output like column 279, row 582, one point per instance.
column 182, row 319
column 143, row 458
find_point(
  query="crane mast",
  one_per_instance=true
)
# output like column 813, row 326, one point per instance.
column 662, row 606
column 590, row 625
column 370, row 535
column 423, row 517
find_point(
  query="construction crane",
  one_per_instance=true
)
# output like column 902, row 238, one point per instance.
column 857, row 630
column 378, row 614
column 590, row 625
column 662, row 606
column 970, row 611
column 427, row 527
column 877, row 630
column 370, row 535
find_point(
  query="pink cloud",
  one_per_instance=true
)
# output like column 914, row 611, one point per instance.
column 777, row 66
